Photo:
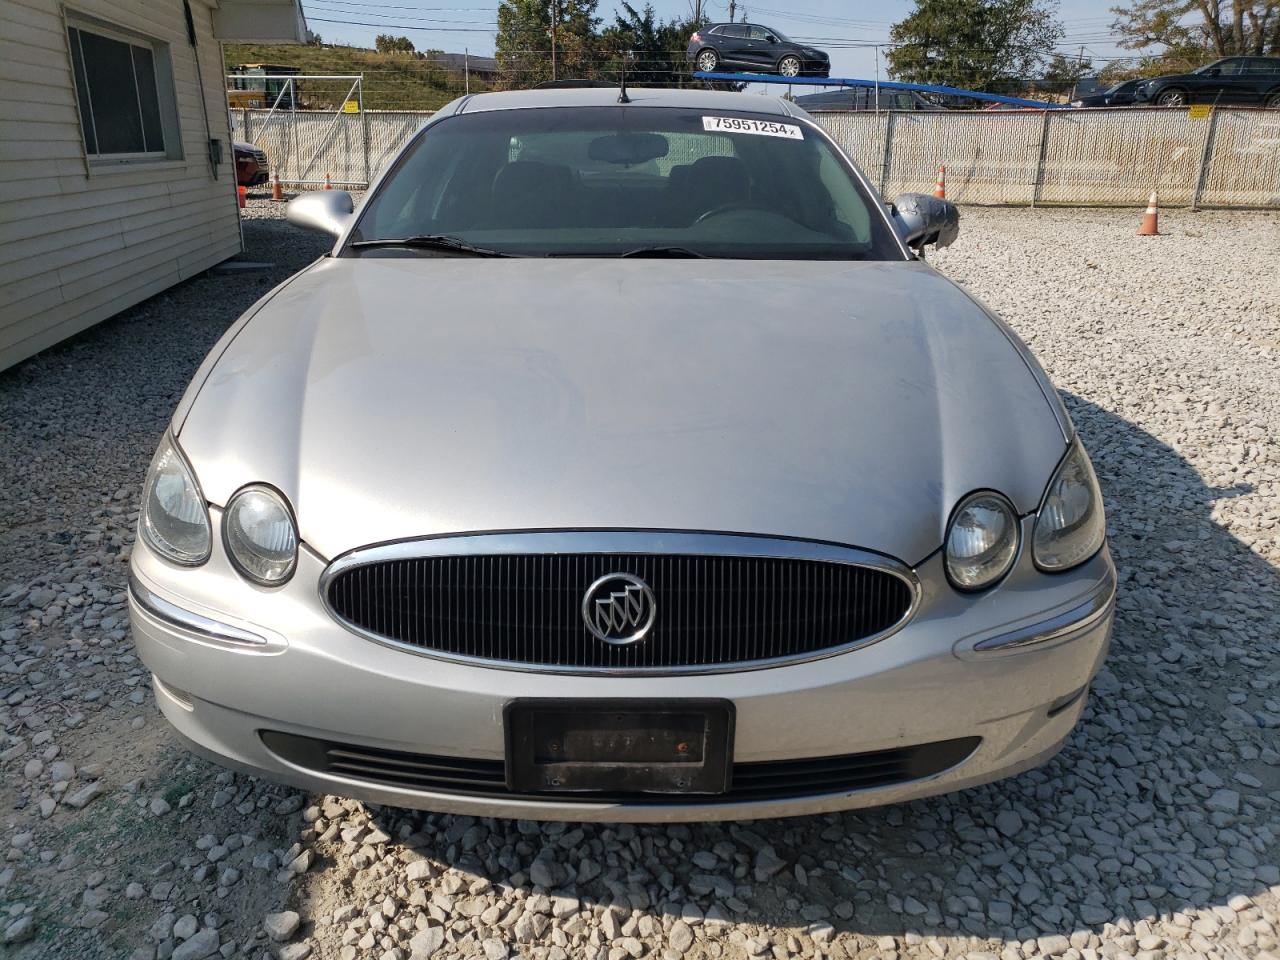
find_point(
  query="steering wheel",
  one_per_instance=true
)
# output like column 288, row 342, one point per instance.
column 736, row 205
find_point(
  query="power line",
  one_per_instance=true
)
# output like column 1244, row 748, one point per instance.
column 401, row 26
column 418, row 19
column 390, row 6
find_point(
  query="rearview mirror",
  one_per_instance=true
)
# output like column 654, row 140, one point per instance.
column 922, row 219
column 628, row 149
column 326, row 210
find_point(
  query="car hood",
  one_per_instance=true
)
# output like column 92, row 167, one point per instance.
column 408, row 397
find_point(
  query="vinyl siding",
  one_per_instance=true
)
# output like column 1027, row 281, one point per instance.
column 79, row 243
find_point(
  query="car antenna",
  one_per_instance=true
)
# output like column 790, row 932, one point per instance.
column 622, row 93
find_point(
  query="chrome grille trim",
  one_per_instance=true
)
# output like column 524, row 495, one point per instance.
column 609, row 542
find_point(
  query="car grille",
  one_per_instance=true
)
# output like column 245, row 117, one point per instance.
column 712, row 611
column 261, row 157
column 769, row 780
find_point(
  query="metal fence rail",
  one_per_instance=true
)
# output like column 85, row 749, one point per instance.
column 1231, row 158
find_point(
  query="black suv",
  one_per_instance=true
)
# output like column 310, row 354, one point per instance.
column 1233, row 81
column 756, row 49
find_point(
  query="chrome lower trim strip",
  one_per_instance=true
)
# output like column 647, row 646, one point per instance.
column 175, row 616
column 179, row 697
column 620, row 541
column 1081, row 617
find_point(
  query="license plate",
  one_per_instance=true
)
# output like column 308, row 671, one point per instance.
column 619, row 746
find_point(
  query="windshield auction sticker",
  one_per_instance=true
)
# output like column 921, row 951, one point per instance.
column 762, row 128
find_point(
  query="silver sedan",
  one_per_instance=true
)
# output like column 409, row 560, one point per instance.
column 622, row 461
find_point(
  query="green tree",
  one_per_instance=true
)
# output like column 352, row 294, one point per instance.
column 524, row 44
column 386, row 43
column 1188, row 32
column 1062, row 73
column 989, row 45
column 651, row 51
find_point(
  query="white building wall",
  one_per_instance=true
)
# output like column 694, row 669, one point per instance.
column 80, row 241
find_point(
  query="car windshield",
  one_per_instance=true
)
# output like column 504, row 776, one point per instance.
column 614, row 180
column 781, row 37
column 1122, row 85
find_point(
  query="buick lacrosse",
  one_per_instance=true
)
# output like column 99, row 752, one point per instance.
column 622, row 460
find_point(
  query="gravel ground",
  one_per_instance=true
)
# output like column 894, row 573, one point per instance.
column 1152, row 835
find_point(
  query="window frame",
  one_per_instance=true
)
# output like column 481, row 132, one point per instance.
column 166, row 94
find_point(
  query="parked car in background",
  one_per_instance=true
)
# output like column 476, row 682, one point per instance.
column 1232, row 81
column 751, row 47
column 1122, row 94
column 854, row 99
column 252, row 167
column 638, row 575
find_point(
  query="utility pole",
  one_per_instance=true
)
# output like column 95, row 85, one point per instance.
column 855, row 94
column 733, row 7
column 1076, row 82
column 466, row 68
column 555, row 15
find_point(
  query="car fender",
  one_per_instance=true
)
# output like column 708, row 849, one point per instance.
column 223, row 343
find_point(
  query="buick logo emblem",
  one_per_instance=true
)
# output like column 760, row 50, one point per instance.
column 619, row 608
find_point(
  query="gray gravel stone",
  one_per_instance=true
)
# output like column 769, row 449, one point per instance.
column 202, row 944
column 281, row 926
column 19, row 930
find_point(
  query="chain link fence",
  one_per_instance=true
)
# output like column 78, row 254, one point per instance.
column 1229, row 158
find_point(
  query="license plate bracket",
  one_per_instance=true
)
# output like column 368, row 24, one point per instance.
column 619, row 746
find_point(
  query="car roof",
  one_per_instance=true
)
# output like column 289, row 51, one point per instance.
column 639, row 96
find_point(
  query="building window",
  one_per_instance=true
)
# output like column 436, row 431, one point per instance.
column 124, row 86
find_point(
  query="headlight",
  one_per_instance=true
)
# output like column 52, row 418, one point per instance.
column 1076, row 103
column 174, row 521
column 260, row 536
column 1070, row 526
column 982, row 540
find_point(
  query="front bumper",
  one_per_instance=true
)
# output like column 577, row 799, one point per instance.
column 1010, row 666
column 251, row 174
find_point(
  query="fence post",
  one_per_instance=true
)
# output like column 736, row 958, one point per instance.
column 1044, row 152
column 888, row 153
column 293, row 129
column 1206, row 154
column 244, row 125
column 364, row 129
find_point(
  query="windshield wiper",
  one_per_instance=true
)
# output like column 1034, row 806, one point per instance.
column 431, row 242
column 669, row 252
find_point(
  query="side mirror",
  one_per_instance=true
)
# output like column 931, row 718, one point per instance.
column 771, row 38
column 922, row 219
column 1212, row 72
column 329, row 211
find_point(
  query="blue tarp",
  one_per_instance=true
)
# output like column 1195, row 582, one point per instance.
column 882, row 84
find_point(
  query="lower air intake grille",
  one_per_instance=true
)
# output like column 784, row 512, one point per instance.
column 770, row 780
column 711, row 611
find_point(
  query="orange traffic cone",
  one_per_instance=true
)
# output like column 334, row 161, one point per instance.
column 940, row 191
column 242, row 196
column 1150, row 220
column 277, row 191
column 328, row 185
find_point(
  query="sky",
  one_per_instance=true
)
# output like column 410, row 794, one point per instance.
column 848, row 32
